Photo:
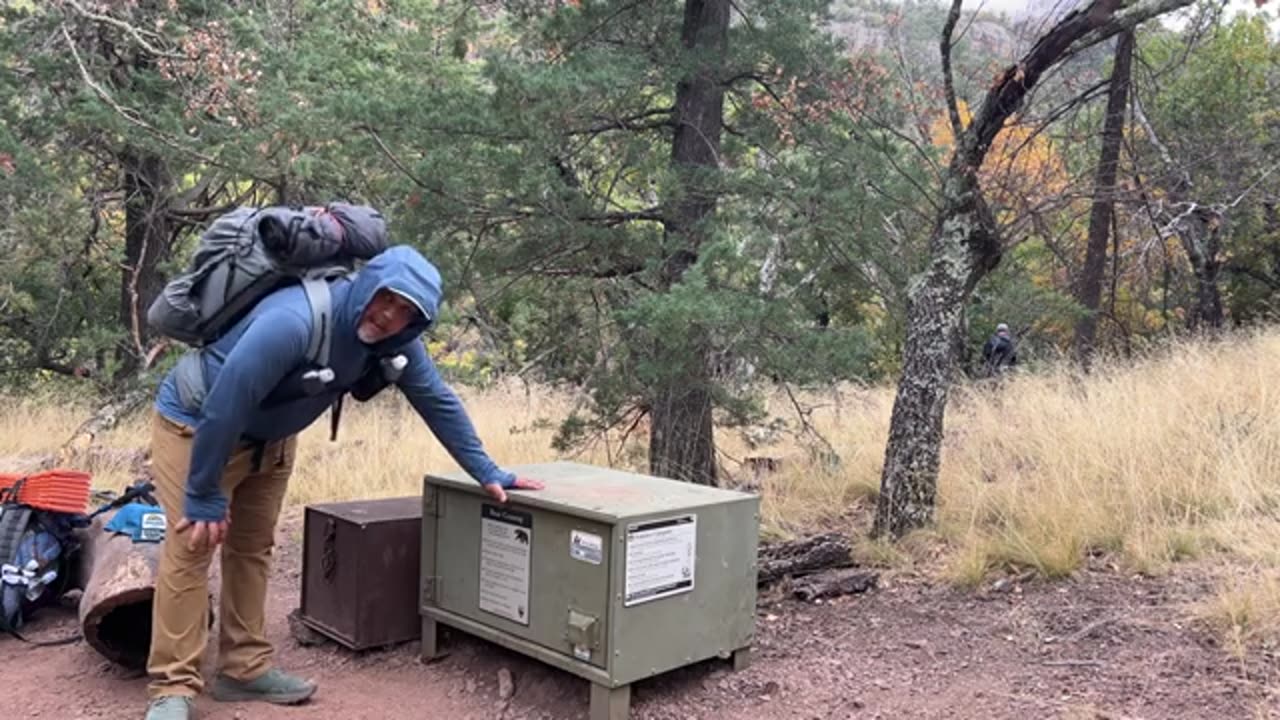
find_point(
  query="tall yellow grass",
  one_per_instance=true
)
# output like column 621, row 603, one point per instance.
column 1151, row 462
column 1156, row 462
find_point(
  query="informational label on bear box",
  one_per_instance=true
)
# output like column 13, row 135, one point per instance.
column 660, row 558
column 587, row 547
column 506, row 537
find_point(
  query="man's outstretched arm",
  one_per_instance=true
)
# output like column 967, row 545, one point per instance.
column 438, row 406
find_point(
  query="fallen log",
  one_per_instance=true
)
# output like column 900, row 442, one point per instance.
column 115, row 609
column 797, row 558
column 834, row 584
column 104, row 418
column 118, row 577
column 84, row 557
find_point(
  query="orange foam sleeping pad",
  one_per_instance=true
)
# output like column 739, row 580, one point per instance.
column 57, row 490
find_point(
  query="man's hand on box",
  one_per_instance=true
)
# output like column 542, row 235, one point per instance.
column 499, row 494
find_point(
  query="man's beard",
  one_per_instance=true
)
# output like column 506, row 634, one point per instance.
column 370, row 333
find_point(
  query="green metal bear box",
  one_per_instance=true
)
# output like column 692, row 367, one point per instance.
column 610, row 575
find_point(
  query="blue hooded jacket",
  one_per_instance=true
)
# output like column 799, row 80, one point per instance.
column 269, row 345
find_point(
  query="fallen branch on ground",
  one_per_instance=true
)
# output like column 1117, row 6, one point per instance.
column 835, row 584
column 803, row 557
column 1071, row 663
column 105, row 418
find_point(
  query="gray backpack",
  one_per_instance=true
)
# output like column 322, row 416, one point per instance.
column 249, row 253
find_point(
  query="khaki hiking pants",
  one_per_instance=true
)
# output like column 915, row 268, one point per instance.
column 180, row 617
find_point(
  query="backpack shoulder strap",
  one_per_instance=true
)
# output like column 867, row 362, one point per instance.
column 321, row 303
column 14, row 519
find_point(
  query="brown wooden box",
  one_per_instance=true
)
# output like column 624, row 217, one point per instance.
column 360, row 571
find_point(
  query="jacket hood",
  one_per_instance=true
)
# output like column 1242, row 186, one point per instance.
column 404, row 271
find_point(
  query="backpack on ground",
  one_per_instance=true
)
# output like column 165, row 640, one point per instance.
column 36, row 552
column 40, row 548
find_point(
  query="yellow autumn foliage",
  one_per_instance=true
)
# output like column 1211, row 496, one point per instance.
column 1023, row 170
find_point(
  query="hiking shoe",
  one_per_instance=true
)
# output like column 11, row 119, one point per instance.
column 274, row 686
column 170, row 707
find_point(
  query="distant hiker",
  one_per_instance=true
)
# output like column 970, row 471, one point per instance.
column 223, row 443
column 1000, row 353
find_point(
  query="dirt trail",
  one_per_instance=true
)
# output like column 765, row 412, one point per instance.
column 1101, row 646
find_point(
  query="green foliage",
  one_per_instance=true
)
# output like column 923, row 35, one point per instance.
column 1216, row 113
column 571, row 246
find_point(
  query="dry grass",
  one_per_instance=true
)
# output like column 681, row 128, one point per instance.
column 34, row 427
column 384, row 449
column 1173, row 458
column 1163, row 461
column 1245, row 611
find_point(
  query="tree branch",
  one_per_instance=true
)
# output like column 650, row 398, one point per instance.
column 630, row 123
column 129, row 115
column 1057, row 113
column 1141, row 116
column 623, row 270
column 653, row 214
column 1077, row 30
column 564, row 51
column 130, row 29
column 746, row 19
column 807, row 426
column 948, row 80
column 191, row 215
column 642, row 411
column 1126, row 18
column 386, row 151
column 74, row 371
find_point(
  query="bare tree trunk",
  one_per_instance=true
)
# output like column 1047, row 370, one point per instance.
column 147, row 233
column 964, row 247
column 1089, row 290
column 1199, row 228
column 1271, row 230
column 1209, row 316
column 1201, row 238
column 681, row 440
